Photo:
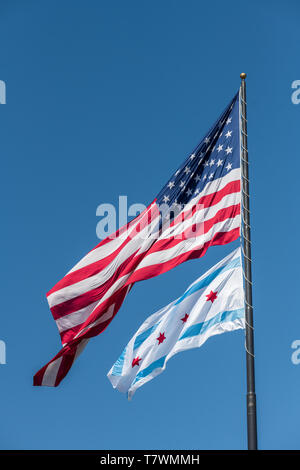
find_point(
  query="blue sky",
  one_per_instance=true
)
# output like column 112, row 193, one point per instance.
column 107, row 99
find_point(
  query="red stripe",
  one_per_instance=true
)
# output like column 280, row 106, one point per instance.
column 68, row 356
column 67, row 335
column 69, row 352
column 38, row 378
column 220, row 238
column 65, row 366
column 208, row 200
column 196, row 230
column 212, row 199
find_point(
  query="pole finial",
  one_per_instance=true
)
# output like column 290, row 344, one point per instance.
column 243, row 76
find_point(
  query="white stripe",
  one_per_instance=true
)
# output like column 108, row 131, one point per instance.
column 80, row 316
column 202, row 215
column 75, row 318
column 215, row 186
column 190, row 244
column 81, row 347
column 51, row 372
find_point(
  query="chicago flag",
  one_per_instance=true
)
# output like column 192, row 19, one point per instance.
column 198, row 207
column 212, row 305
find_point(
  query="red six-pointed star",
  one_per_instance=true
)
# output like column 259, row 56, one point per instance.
column 136, row 361
column 184, row 319
column 161, row 338
column 211, row 296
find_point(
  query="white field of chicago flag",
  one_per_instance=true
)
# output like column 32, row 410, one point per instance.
column 197, row 208
column 212, row 305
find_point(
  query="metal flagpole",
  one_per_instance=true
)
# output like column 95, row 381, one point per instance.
column 251, row 396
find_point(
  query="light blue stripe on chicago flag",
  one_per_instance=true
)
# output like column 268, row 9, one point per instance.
column 201, row 328
column 154, row 365
column 208, row 279
column 118, row 367
column 143, row 336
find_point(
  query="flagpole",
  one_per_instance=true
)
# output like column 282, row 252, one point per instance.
column 251, row 396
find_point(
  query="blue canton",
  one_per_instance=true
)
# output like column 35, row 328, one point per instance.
column 215, row 156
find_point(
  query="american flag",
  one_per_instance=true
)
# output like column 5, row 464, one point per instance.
column 197, row 208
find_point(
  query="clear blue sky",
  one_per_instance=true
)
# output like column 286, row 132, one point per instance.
column 107, row 99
